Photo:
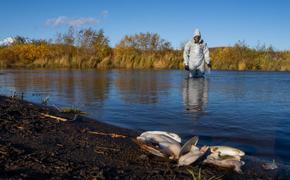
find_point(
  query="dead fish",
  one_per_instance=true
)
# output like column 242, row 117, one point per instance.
column 156, row 138
column 217, row 156
column 192, row 156
column 168, row 134
column 165, row 145
column 270, row 166
column 226, row 163
column 226, row 150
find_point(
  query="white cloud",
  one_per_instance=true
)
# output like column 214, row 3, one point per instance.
column 104, row 13
column 65, row 21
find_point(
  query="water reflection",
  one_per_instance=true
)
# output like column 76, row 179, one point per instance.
column 141, row 86
column 81, row 87
column 195, row 94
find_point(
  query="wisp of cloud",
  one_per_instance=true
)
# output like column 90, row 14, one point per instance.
column 63, row 20
column 66, row 21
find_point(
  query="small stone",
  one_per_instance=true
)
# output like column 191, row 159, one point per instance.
column 143, row 157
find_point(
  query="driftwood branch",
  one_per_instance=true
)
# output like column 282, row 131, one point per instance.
column 54, row 117
column 113, row 135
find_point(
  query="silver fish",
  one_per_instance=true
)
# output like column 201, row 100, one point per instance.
column 156, row 138
column 164, row 145
column 218, row 156
column 168, row 134
column 226, row 150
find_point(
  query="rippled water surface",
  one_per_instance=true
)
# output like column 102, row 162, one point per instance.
column 248, row 110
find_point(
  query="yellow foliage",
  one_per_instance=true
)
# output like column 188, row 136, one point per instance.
column 150, row 52
column 242, row 66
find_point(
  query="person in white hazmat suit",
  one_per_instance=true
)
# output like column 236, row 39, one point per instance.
column 196, row 55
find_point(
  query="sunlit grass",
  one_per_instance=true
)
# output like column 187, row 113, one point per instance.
column 198, row 176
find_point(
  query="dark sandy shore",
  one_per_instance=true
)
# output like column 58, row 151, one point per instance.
column 35, row 146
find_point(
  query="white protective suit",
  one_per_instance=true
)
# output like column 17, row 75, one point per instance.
column 195, row 56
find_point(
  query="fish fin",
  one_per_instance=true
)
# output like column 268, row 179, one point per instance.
column 148, row 148
column 187, row 146
column 152, row 150
column 196, row 140
column 243, row 163
column 238, row 170
column 203, row 149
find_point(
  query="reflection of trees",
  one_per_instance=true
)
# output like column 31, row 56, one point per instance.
column 195, row 94
column 140, row 86
column 72, row 85
column 30, row 80
column 95, row 85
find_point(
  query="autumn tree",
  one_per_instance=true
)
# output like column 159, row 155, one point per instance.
column 145, row 42
column 68, row 37
column 94, row 42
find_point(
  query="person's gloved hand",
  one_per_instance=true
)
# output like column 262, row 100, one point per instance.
column 209, row 65
column 186, row 67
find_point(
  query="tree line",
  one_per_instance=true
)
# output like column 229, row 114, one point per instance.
column 89, row 48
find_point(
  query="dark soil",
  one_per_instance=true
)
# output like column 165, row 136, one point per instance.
column 36, row 147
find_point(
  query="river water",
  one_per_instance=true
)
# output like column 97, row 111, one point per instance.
column 247, row 110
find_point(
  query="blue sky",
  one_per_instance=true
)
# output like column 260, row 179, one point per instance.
column 222, row 22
